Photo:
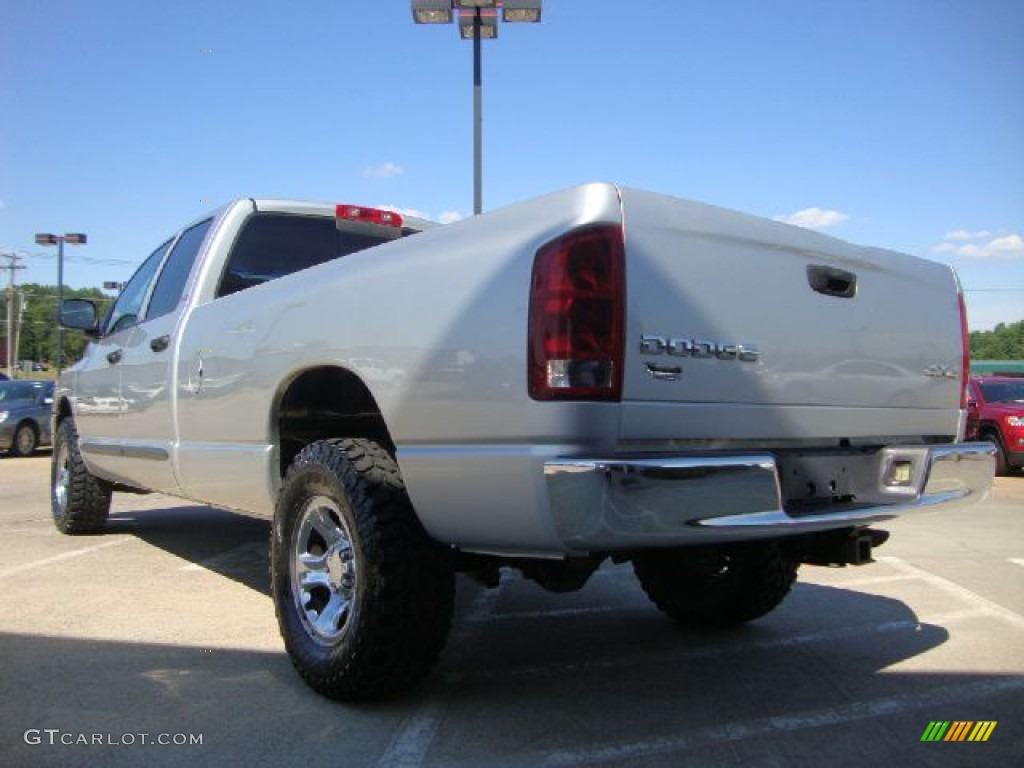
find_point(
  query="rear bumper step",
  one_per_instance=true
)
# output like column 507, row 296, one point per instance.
column 666, row 501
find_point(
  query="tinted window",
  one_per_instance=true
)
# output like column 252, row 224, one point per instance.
column 1003, row 391
column 171, row 283
column 125, row 312
column 273, row 245
column 25, row 390
column 19, row 390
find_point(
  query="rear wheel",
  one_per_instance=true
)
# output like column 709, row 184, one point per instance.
column 80, row 502
column 716, row 586
column 363, row 596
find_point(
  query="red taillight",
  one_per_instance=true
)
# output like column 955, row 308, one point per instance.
column 577, row 314
column 368, row 215
column 965, row 343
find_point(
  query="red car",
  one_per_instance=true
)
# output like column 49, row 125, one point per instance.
column 996, row 413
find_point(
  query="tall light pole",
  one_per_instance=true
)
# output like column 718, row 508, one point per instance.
column 478, row 20
column 12, row 344
column 75, row 238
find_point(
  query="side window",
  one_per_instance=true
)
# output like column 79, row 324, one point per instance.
column 171, row 283
column 273, row 245
column 125, row 312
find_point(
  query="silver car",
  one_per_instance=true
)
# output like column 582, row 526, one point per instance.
column 25, row 415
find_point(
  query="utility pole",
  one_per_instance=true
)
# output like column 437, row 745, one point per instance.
column 11, row 266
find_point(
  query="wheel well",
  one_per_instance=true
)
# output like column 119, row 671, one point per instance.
column 327, row 402
column 990, row 430
column 63, row 411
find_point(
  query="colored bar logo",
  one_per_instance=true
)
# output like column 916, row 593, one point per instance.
column 958, row 730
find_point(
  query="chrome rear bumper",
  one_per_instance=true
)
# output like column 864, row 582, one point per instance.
column 620, row 503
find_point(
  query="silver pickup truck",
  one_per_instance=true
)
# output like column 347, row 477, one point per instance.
column 600, row 373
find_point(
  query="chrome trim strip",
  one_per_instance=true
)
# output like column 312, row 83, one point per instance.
column 145, row 452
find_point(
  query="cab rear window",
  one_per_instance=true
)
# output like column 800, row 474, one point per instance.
column 272, row 245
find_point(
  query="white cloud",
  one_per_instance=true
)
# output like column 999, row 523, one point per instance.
column 415, row 212
column 1012, row 244
column 814, row 218
column 383, row 171
column 985, row 246
column 446, row 217
column 963, row 234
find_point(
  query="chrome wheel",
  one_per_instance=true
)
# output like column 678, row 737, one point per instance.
column 25, row 440
column 61, row 479
column 79, row 501
column 324, row 571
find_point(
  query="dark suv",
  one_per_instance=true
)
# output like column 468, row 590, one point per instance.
column 996, row 413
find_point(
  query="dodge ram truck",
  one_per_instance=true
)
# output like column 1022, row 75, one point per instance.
column 596, row 374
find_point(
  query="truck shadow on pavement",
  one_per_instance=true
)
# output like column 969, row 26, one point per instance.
column 528, row 678
column 229, row 544
column 540, row 690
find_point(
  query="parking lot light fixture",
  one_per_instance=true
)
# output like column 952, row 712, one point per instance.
column 478, row 20
column 485, row 21
column 432, row 11
column 74, row 238
column 520, row 11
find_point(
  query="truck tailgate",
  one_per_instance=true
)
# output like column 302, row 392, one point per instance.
column 765, row 330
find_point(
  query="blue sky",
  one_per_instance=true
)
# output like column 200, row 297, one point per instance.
column 897, row 123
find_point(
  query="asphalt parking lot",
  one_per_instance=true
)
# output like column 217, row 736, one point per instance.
column 156, row 644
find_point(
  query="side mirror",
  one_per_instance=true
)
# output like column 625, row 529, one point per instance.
column 79, row 315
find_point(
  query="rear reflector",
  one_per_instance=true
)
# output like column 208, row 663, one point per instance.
column 368, row 215
column 577, row 314
column 965, row 343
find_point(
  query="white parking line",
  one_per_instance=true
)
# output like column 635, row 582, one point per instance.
column 62, row 556
column 769, row 726
column 409, row 746
column 955, row 590
column 1016, row 560
column 865, row 581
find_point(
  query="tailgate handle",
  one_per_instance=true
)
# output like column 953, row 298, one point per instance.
column 665, row 372
column 832, row 282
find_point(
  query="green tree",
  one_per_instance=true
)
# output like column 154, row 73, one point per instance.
column 38, row 340
column 1004, row 342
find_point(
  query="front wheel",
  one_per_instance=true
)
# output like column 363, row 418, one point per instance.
column 714, row 587
column 363, row 596
column 1002, row 464
column 26, row 440
column 80, row 502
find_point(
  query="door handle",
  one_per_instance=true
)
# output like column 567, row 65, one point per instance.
column 160, row 344
column 115, row 357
